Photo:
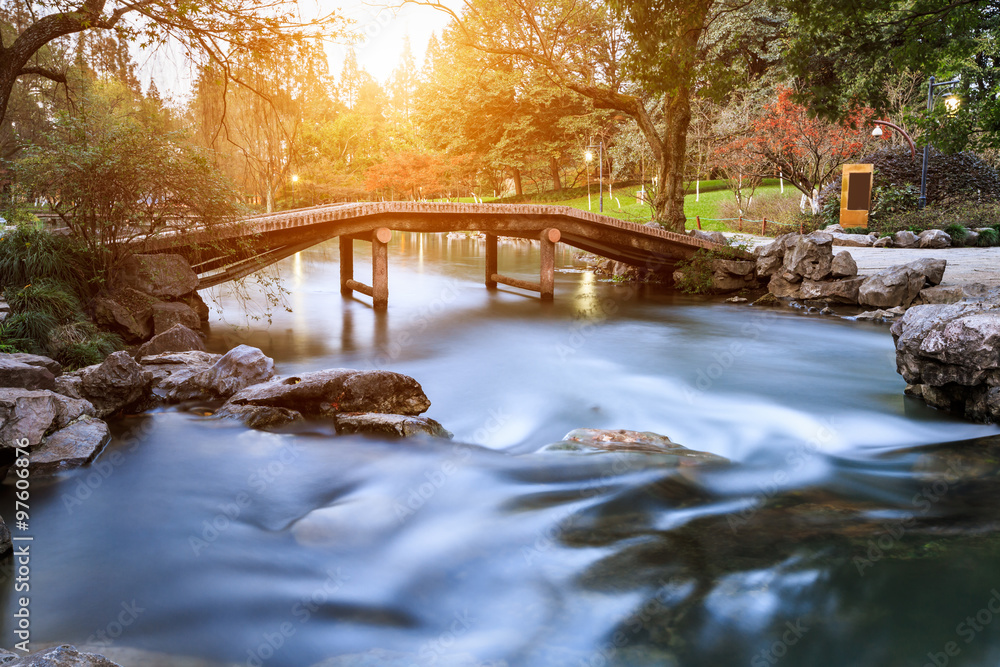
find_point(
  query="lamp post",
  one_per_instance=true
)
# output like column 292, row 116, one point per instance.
column 931, row 85
column 589, row 155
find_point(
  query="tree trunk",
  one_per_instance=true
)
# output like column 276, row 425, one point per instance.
column 668, row 203
column 518, row 190
column 554, row 166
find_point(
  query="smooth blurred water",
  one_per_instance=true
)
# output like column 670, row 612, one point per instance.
column 840, row 535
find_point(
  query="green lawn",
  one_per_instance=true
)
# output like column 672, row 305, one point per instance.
column 622, row 204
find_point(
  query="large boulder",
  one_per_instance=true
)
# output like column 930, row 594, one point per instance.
column 70, row 447
column 941, row 294
column 895, row 286
column 934, row 238
column 781, row 288
column 884, row 242
column 905, row 239
column 15, row 373
column 950, row 355
column 843, row 265
column 115, row 384
column 393, row 426
column 167, row 314
column 711, row 237
column 839, row 291
column 61, row 656
column 810, row 257
column 198, row 305
column 52, row 365
column 181, row 376
column 30, row 415
column 730, row 275
column 126, row 311
column 241, row 367
column 932, row 269
column 325, row 393
column 177, row 338
column 163, row 275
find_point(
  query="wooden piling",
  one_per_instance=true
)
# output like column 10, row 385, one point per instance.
column 346, row 264
column 380, row 267
column 491, row 260
column 547, row 272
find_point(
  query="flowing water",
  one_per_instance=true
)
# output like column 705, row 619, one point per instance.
column 853, row 527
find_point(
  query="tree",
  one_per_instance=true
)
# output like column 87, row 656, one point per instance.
column 674, row 49
column 843, row 52
column 115, row 180
column 806, row 150
column 215, row 30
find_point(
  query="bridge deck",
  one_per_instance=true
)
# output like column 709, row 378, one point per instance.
column 233, row 250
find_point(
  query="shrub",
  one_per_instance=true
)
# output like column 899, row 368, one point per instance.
column 957, row 232
column 888, row 200
column 696, row 273
column 988, row 237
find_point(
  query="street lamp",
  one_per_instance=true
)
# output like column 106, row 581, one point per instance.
column 589, row 156
column 877, row 132
column 952, row 107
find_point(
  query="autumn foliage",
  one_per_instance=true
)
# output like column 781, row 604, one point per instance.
column 806, row 151
column 421, row 175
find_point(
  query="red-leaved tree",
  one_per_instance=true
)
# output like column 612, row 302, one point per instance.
column 806, row 150
column 414, row 175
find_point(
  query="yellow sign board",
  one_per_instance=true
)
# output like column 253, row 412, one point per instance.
column 856, row 195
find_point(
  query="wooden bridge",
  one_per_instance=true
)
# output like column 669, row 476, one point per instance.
column 233, row 250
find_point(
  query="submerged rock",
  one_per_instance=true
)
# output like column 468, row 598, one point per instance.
column 325, row 393
column 399, row 426
column 61, row 656
column 259, row 416
column 591, row 440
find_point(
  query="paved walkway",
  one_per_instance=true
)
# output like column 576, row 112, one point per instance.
column 966, row 266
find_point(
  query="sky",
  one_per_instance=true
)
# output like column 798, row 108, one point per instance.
column 379, row 31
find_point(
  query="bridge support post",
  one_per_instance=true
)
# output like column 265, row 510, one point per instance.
column 346, row 264
column 547, row 273
column 380, row 267
column 491, row 260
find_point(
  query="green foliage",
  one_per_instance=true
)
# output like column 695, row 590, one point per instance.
column 968, row 216
column 889, row 200
column 696, row 273
column 92, row 349
column 28, row 331
column 988, row 238
column 44, row 296
column 30, row 254
column 957, row 232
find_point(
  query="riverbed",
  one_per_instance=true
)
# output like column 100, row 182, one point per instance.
column 850, row 529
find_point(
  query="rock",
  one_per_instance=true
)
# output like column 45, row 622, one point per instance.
column 259, row 416
column 905, row 239
column 167, row 314
column 115, row 384
column 31, row 414
column 852, row 240
column 767, row 266
column 736, row 299
column 733, row 266
column 51, row 365
column 834, row 229
column 875, row 316
column 323, row 393
column 70, row 447
column 6, row 546
column 840, row 291
column 810, row 257
column 14, row 373
column 934, row 238
column 591, row 440
column 932, row 269
column 884, row 242
column 783, row 289
column 953, row 352
column 397, row 426
column 239, row 368
column 939, row 294
column 767, row 300
column 177, row 338
column 843, row 265
column 62, row 656
column 896, row 286
column 126, row 311
column 971, row 238
column 162, row 275
column 711, row 237
column 198, row 305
